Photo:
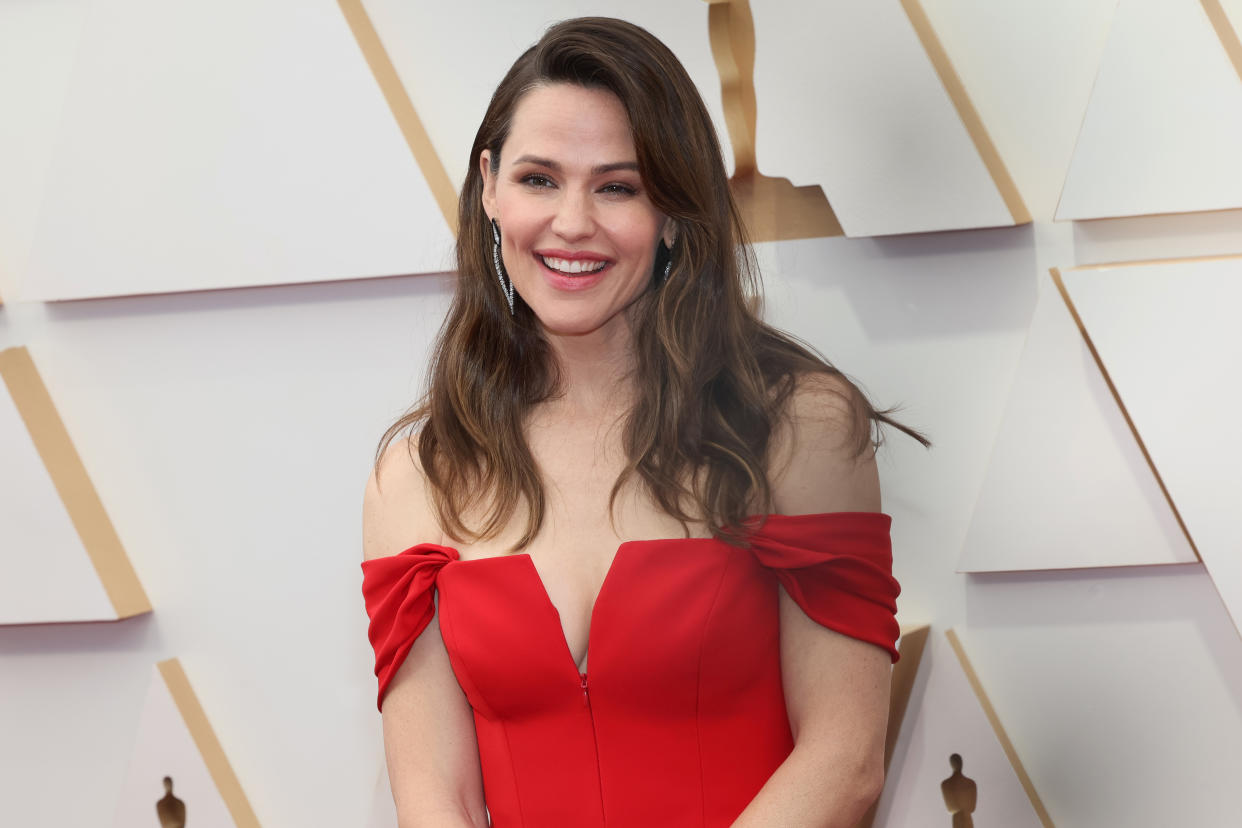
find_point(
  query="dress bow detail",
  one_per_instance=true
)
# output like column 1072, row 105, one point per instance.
column 399, row 591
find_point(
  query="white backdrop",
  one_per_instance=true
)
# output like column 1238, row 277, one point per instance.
column 229, row 435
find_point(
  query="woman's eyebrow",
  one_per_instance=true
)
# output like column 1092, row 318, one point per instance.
column 597, row 170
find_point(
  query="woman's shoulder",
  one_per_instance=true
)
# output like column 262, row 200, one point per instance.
column 822, row 458
column 397, row 510
column 828, row 397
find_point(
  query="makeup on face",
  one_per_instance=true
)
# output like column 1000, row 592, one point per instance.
column 579, row 233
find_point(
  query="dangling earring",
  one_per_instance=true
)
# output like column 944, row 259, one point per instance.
column 506, row 284
column 668, row 263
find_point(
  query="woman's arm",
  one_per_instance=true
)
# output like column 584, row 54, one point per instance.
column 836, row 687
column 429, row 738
column 836, row 690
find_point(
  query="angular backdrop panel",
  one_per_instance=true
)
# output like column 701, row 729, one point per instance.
column 226, row 144
column 954, row 719
column 38, row 43
column 1067, row 485
column 60, row 558
column 850, row 99
column 1164, row 123
column 175, row 740
column 451, row 56
column 1167, row 334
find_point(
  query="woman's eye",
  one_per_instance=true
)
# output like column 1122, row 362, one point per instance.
column 537, row 180
column 619, row 189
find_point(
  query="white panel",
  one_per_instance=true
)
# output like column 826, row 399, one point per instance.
column 38, row 41
column 1164, row 123
column 383, row 809
column 1028, row 66
column 232, row 433
column 164, row 747
column 451, row 103
column 848, row 99
column 219, row 144
column 1111, row 684
column 1067, row 484
column 45, row 572
column 1168, row 336
column 950, row 720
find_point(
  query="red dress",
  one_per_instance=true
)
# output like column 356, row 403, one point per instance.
column 682, row 717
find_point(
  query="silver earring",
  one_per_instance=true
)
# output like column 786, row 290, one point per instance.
column 506, row 284
column 668, row 264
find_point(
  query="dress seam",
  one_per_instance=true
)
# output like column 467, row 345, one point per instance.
column 517, row 790
column 698, row 688
column 446, row 632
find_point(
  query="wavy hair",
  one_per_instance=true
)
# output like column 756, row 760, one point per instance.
column 712, row 379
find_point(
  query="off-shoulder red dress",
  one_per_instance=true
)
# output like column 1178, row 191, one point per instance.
column 682, row 716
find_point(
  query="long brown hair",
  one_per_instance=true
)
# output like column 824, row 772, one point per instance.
column 712, row 380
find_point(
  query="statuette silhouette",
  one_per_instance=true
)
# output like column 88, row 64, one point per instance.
column 772, row 208
column 170, row 809
column 960, row 795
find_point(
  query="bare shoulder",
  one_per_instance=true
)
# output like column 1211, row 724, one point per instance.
column 821, row 459
column 396, row 508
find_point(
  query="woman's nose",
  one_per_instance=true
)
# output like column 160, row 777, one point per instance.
column 573, row 219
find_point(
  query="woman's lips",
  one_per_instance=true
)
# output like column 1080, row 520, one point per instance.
column 571, row 278
column 573, row 266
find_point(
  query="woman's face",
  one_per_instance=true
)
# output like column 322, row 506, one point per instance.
column 578, row 231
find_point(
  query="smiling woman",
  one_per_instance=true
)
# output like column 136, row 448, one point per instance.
column 579, row 230
column 635, row 471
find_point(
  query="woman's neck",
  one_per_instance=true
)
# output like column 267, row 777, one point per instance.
column 596, row 372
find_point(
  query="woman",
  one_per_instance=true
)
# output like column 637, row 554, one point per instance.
column 604, row 404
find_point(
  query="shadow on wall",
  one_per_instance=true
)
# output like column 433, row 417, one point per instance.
column 1139, row 238
column 1169, row 596
column 921, row 285
column 341, row 292
column 129, row 635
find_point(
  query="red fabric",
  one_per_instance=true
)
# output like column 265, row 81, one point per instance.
column 681, row 717
column 398, row 595
column 846, row 584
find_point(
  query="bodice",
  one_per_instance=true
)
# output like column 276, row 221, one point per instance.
column 681, row 715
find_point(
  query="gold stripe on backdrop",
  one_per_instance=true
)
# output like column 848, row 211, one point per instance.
column 1001, row 736
column 910, row 646
column 1108, row 380
column 1226, row 32
column 72, row 483
column 208, row 745
column 402, row 109
column 966, row 111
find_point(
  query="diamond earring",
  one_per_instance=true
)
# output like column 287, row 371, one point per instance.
column 506, row 284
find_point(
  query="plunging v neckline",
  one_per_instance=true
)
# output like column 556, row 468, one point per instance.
column 579, row 668
column 546, row 598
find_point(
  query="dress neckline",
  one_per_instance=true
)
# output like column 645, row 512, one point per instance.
column 579, row 665
column 622, row 550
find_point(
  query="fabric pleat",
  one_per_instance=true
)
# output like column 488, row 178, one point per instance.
column 398, row 591
column 838, row 568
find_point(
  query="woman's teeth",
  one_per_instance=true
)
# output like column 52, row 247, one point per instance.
column 574, row 266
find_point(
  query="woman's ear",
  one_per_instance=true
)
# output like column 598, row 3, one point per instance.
column 670, row 233
column 489, row 183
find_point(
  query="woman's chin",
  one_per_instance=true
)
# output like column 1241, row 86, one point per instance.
column 577, row 325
